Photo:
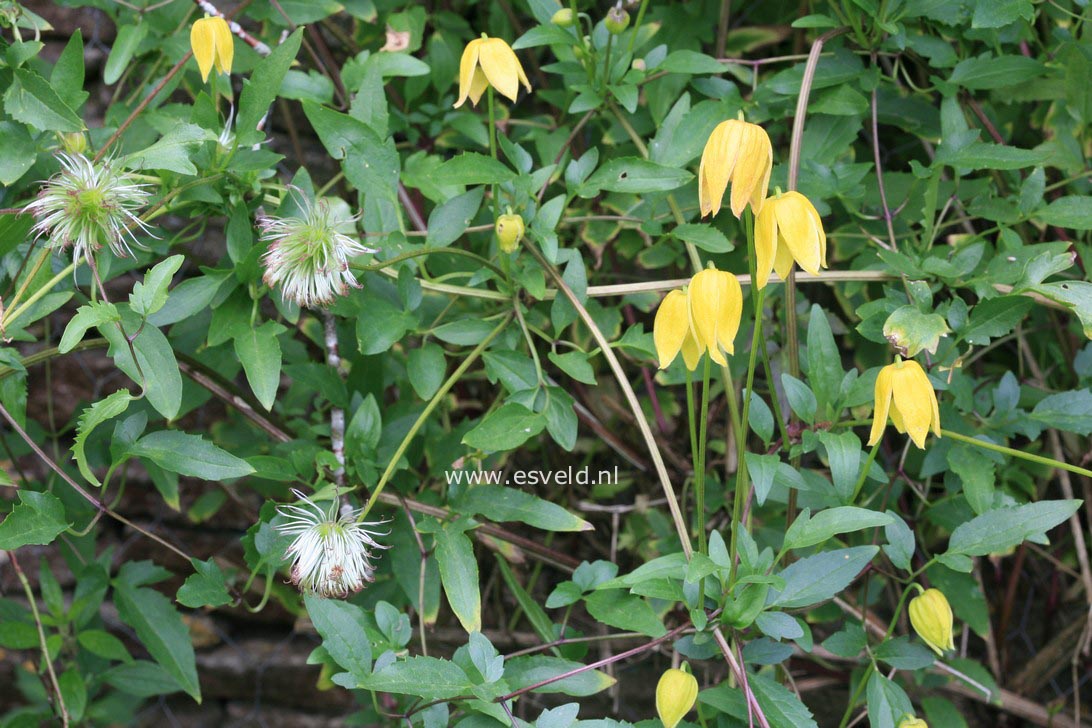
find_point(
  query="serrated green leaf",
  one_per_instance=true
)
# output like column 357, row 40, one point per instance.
column 91, row 418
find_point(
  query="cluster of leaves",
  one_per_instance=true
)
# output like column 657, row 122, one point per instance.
column 944, row 144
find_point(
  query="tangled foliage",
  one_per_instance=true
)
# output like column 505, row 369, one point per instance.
column 300, row 346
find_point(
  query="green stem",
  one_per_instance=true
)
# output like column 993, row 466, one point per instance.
column 1051, row 462
column 690, row 419
column 493, row 146
column 36, row 296
column 856, row 694
column 864, row 472
column 432, row 403
column 637, row 25
column 380, row 265
column 606, row 63
column 699, row 475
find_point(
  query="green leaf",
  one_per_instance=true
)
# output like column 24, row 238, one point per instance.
column 190, row 455
column 844, row 456
column 500, row 504
column 505, row 428
column 1076, row 295
column 903, row 654
column 472, row 168
column 429, row 678
column 162, row 632
column 781, row 706
column 801, row 398
column 459, row 575
column 522, row 672
column 911, row 331
column 20, row 152
column 426, row 368
column 89, row 315
column 987, row 72
column 383, row 325
column 575, row 364
column 635, row 175
column 817, row 578
column 36, row 521
column 205, row 588
column 1069, row 411
column 31, row 100
column 996, row 317
column 125, row 45
column 91, row 418
column 103, row 644
column 1003, row 528
column 976, row 471
column 888, row 704
column 141, row 678
column 449, row 221
column 158, row 372
column 824, row 359
column 810, row 530
column 534, row 612
column 173, row 151
column 259, row 352
column 999, row 13
column 150, row 295
column 704, row 236
column 1073, row 212
column 344, row 634
column 623, row 610
column 684, row 61
column 900, row 541
column 983, row 155
column 262, row 87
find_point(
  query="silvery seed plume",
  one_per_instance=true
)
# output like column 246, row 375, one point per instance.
column 308, row 257
column 87, row 205
column 332, row 552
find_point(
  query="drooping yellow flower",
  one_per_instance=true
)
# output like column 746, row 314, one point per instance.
column 212, row 44
column 740, row 153
column 489, row 62
column 931, row 616
column 903, row 390
column 676, row 694
column 671, row 331
column 716, row 304
column 913, row 722
column 787, row 229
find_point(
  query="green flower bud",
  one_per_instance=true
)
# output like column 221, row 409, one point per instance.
column 676, row 694
column 510, row 229
column 931, row 616
column 74, row 142
column 563, row 17
column 617, row 20
column 912, row 722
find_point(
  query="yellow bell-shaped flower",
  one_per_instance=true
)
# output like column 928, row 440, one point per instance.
column 671, row 331
column 676, row 694
column 489, row 62
column 212, row 44
column 903, row 390
column 740, row 153
column 787, row 229
column 913, row 722
column 716, row 305
column 931, row 616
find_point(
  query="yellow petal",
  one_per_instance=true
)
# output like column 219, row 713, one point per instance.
column 203, row 45
column 822, row 234
column 717, row 162
column 704, row 295
column 691, row 351
column 797, row 229
column 782, row 261
column 911, row 395
column 478, row 84
column 883, row 404
column 499, row 62
column 671, row 326
column 758, row 195
column 765, row 244
column 225, row 44
column 729, row 312
column 468, row 64
column 676, row 693
column 752, row 166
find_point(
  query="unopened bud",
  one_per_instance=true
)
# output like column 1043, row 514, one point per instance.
column 617, row 20
column 74, row 142
column 913, row 722
column 563, row 17
column 509, row 229
column 676, row 694
column 639, row 64
column 931, row 616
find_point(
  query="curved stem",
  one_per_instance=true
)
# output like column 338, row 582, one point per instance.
column 432, row 403
column 1051, row 462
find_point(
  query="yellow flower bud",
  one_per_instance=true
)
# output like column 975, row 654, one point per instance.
column 913, row 722
column 563, row 17
column 904, row 392
column 489, row 62
column 676, row 694
column 509, row 229
column 739, row 153
column 931, row 616
column 212, row 44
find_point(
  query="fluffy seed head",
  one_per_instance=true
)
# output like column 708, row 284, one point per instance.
column 307, row 256
column 332, row 552
column 88, row 204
